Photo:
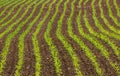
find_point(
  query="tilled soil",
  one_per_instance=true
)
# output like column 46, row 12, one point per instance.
column 47, row 62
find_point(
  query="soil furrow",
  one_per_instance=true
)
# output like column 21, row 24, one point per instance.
column 14, row 20
column 28, row 61
column 110, row 50
column 85, row 64
column 104, row 64
column 48, row 68
column 101, row 20
column 1, row 9
column 12, row 13
column 67, row 65
column 101, row 59
column 11, row 59
column 106, row 28
column 7, row 9
column 60, row 38
column 106, row 13
column 13, row 49
column 24, row 57
column 114, row 10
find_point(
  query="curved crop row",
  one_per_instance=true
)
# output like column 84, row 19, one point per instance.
column 5, row 3
column 10, row 12
column 105, row 38
column 21, row 28
column 86, row 2
column 111, row 27
column 68, row 46
column 86, row 50
column 36, row 45
column 9, row 38
column 52, row 47
column 16, row 22
column 117, row 7
column 111, row 14
column 10, row 5
column 105, row 34
column 21, row 42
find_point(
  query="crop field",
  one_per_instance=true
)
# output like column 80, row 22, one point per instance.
column 59, row 37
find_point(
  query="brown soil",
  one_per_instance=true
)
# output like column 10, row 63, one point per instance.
column 114, row 10
column 14, row 20
column 63, row 54
column 1, row 9
column 104, row 64
column 7, row 11
column 93, row 24
column 12, row 13
column 48, row 68
column 118, row 2
column 106, row 28
column 106, row 13
column 85, row 63
column 11, row 60
column 26, row 71
column 13, row 48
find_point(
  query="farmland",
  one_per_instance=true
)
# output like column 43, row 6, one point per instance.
column 59, row 37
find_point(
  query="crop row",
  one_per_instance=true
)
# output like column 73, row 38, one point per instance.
column 92, row 36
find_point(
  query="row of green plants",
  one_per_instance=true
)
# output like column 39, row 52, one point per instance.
column 104, row 52
column 116, row 7
column 77, row 39
column 92, row 37
column 5, row 3
column 8, row 6
column 8, row 41
column 105, row 34
column 49, row 41
column 111, row 27
column 116, row 49
column 10, row 27
column 22, row 37
column 94, row 41
column 64, row 41
column 36, row 44
column 111, row 13
column 10, row 12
